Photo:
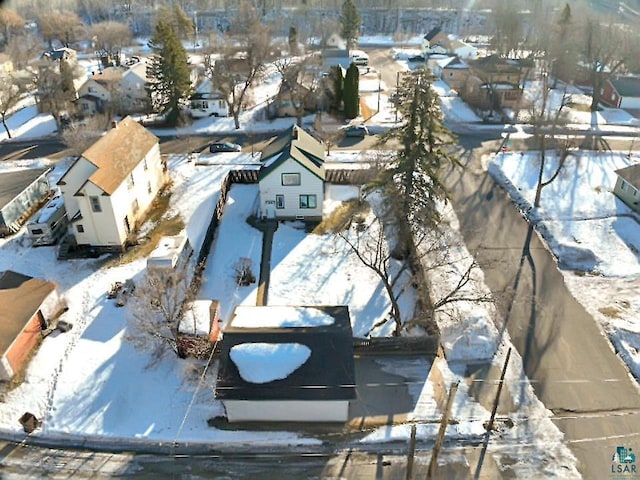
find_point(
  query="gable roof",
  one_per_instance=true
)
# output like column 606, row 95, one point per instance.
column 21, row 297
column 295, row 144
column 118, row 152
column 626, row 86
column 455, row 63
column 13, row 183
column 432, row 33
column 630, row 174
column 328, row 374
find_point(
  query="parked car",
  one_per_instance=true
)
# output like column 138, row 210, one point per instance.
column 216, row 147
column 359, row 131
column 416, row 58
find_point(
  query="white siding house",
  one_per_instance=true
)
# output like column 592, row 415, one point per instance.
column 291, row 179
column 109, row 188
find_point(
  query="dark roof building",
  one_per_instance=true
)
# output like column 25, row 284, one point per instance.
column 319, row 389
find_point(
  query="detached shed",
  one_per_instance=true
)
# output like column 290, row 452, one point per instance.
column 287, row 364
column 27, row 305
column 20, row 191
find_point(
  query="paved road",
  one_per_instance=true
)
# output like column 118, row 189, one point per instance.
column 574, row 370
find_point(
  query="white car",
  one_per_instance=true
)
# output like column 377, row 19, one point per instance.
column 359, row 58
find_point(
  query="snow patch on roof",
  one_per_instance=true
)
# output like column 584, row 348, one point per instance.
column 280, row 317
column 267, row 362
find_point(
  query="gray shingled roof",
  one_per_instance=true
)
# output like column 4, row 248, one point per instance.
column 627, row 86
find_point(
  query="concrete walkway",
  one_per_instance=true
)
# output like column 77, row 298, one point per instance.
column 268, row 228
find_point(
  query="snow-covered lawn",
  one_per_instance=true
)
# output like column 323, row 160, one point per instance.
column 595, row 236
column 26, row 123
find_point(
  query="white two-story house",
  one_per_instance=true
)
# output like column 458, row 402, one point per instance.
column 111, row 185
column 292, row 177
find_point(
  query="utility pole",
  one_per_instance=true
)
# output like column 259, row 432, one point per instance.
column 412, row 452
column 433, row 464
column 500, row 384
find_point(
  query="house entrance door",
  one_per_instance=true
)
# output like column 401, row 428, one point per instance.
column 271, row 209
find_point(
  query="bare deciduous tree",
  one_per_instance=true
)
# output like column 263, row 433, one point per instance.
column 157, row 308
column 64, row 26
column 371, row 247
column 300, row 83
column 10, row 94
column 79, row 137
column 241, row 63
column 109, row 39
column 10, row 22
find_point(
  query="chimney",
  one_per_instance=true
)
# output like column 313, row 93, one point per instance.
column 114, row 124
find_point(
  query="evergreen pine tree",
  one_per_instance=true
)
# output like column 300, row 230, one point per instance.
column 350, row 21
column 351, row 95
column 338, row 88
column 413, row 177
column 169, row 84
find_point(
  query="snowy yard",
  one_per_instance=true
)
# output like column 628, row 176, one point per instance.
column 590, row 231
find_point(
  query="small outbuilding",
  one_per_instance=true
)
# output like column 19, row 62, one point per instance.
column 21, row 191
column 27, row 305
column 287, row 364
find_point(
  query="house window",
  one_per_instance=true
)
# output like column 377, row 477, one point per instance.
column 80, row 228
column 85, row 107
column 613, row 96
column 307, row 201
column 279, row 201
column 136, row 206
column 149, row 187
column 131, row 182
column 623, row 185
column 91, row 90
column 95, row 204
column 450, row 74
column 144, row 164
column 290, row 179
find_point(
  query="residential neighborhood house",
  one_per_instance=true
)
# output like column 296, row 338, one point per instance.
column 287, row 364
column 27, row 306
column 453, row 71
column 123, row 87
column 208, row 102
column 627, row 187
column 495, row 82
column 621, row 92
column 435, row 41
column 21, row 192
column 111, row 185
column 292, row 176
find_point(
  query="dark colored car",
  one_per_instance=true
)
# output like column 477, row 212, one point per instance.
column 224, row 147
column 416, row 58
column 359, row 131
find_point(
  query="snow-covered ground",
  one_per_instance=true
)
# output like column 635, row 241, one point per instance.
column 80, row 382
column 594, row 235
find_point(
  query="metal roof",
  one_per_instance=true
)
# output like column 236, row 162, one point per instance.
column 14, row 183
